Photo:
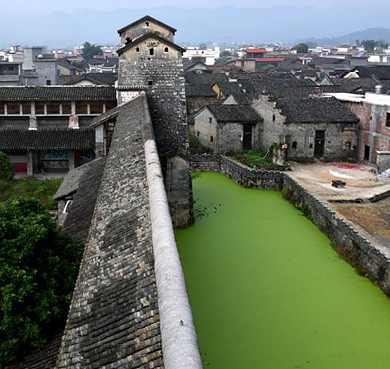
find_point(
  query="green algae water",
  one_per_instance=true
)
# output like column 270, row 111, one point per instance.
column 268, row 291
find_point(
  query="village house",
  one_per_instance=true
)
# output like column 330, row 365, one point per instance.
column 373, row 110
column 312, row 128
column 228, row 128
column 46, row 128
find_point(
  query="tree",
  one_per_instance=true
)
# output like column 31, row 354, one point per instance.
column 90, row 50
column 6, row 168
column 368, row 45
column 301, row 48
column 38, row 270
column 226, row 53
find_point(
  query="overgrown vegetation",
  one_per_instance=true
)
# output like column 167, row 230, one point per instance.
column 196, row 147
column 43, row 190
column 38, row 270
column 6, row 168
column 252, row 159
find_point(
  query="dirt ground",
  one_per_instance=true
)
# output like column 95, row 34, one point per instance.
column 374, row 218
column 362, row 182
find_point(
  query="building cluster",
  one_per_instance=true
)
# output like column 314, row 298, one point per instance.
column 299, row 106
column 32, row 66
column 329, row 103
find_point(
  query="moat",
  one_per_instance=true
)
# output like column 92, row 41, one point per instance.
column 268, row 291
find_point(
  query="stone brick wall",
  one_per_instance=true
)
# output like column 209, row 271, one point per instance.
column 194, row 104
column 339, row 137
column 162, row 76
column 205, row 127
column 251, row 178
column 160, row 73
column 375, row 258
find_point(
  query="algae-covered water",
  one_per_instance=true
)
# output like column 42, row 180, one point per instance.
column 268, row 291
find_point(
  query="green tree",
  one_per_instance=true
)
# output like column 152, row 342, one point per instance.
column 301, row 48
column 368, row 45
column 38, row 269
column 226, row 53
column 90, row 50
column 6, row 168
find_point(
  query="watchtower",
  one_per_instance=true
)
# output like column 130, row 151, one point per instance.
column 151, row 61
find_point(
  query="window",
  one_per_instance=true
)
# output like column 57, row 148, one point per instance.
column 81, row 107
column 197, row 133
column 53, row 108
column 150, row 83
column 387, row 119
column 26, row 108
column 151, row 51
column 210, row 120
column 66, row 108
column 13, row 109
column 96, row 108
column 48, row 82
column 294, row 145
column 137, row 49
column 1, row 108
column 348, row 145
column 166, row 50
column 273, row 118
column 211, row 139
column 39, row 108
column 147, row 24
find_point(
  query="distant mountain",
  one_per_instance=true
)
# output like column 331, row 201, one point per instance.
column 377, row 34
column 227, row 24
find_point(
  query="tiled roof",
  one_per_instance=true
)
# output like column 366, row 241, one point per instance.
column 193, row 78
column 144, row 19
column 199, row 91
column 269, row 59
column 316, row 110
column 234, row 114
column 256, row 50
column 103, row 117
column 57, row 93
column 100, row 79
column 380, row 72
column 114, row 319
column 47, row 139
column 146, row 36
column 86, row 183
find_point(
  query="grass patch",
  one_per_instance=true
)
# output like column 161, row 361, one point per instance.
column 42, row 190
column 252, row 159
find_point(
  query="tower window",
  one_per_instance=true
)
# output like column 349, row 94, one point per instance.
column 273, row 118
column 210, row 120
column 294, row 145
column 151, row 51
column 387, row 119
column 150, row 83
column 211, row 139
column 166, row 49
column 147, row 24
column 137, row 49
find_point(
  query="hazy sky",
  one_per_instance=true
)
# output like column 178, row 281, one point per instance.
column 47, row 6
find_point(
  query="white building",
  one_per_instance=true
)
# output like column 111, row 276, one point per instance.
column 207, row 55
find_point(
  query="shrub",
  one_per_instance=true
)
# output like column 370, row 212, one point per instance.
column 38, row 270
column 6, row 168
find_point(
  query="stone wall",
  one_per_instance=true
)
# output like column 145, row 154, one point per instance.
column 251, row 178
column 375, row 259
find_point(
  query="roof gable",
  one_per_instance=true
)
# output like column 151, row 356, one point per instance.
column 144, row 19
column 144, row 37
column 233, row 113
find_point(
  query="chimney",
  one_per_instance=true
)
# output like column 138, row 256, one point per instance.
column 378, row 89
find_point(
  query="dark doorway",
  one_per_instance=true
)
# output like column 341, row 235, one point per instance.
column 247, row 139
column 319, row 144
column 367, row 150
